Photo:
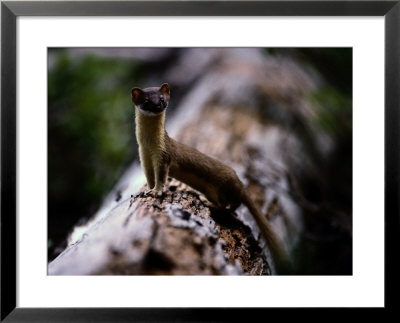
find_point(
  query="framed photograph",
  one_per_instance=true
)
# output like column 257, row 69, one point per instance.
column 297, row 100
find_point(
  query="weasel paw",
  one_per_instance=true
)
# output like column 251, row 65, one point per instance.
column 154, row 193
column 147, row 193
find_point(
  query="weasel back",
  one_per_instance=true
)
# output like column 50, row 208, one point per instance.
column 208, row 175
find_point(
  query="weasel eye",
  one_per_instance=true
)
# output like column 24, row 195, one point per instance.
column 146, row 101
column 162, row 99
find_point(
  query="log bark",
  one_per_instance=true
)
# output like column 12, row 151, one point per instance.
column 240, row 112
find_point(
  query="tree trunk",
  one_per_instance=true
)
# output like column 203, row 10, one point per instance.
column 239, row 113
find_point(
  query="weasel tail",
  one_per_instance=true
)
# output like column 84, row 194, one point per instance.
column 269, row 235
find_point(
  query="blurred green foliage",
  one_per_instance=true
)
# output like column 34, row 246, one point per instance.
column 90, row 133
column 335, row 97
column 336, row 116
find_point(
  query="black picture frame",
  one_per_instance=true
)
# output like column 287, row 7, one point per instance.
column 10, row 10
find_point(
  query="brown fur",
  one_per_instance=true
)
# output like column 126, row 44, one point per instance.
column 161, row 155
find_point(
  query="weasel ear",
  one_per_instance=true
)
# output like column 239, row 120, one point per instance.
column 164, row 88
column 137, row 95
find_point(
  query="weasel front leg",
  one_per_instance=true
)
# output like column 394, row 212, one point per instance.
column 147, row 166
column 149, row 178
column 161, row 173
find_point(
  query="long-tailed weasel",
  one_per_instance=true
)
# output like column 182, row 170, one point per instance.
column 161, row 156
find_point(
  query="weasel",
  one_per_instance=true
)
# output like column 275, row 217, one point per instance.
column 161, row 156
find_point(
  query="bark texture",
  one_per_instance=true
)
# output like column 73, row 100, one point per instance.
column 241, row 110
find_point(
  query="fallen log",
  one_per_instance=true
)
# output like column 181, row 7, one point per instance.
column 237, row 113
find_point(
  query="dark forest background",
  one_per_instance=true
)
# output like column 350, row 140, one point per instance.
column 91, row 137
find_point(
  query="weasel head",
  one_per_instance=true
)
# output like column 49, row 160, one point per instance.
column 152, row 100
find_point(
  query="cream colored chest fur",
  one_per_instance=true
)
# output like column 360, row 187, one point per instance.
column 150, row 135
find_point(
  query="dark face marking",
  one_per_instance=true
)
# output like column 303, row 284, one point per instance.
column 152, row 100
